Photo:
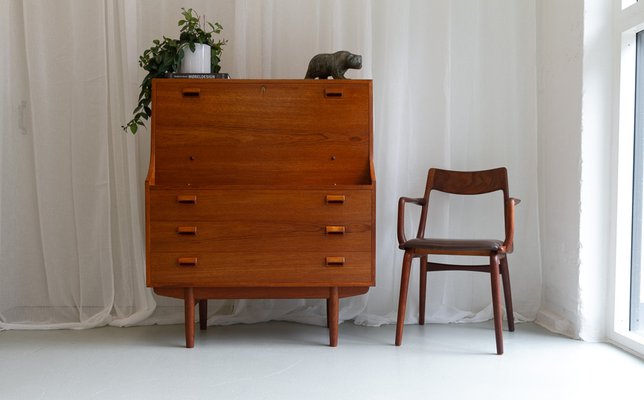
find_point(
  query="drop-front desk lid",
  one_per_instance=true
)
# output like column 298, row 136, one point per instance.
column 261, row 132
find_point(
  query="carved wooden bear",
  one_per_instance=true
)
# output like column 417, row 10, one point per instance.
column 335, row 65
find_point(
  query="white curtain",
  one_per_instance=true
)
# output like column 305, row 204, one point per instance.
column 454, row 87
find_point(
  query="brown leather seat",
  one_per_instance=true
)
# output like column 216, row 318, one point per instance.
column 460, row 183
column 453, row 244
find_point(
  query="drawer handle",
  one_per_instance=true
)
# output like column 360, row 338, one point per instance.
column 187, row 199
column 335, row 198
column 187, row 230
column 335, row 229
column 334, row 261
column 191, row 92
column 187, row 261
column 333, row 93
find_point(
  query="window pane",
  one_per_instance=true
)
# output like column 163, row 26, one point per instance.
column 637, row 292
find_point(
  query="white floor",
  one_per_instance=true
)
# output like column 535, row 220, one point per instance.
column 292, row 361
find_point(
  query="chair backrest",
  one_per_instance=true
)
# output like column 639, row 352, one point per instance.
column 468, row 183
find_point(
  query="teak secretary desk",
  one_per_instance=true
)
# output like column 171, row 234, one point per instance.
column 260, row 189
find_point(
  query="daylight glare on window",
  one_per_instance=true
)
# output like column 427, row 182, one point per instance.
column 628, row 3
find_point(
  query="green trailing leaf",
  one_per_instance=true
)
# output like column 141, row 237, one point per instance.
column 165, row 57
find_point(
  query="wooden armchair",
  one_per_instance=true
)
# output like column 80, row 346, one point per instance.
column 462, row 183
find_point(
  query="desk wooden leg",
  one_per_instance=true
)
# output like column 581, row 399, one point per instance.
column 328, row 312
column 189, row 307
column 203, row 314
column 333, row 313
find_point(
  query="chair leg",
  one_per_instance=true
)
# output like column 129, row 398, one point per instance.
column 496, row 302
column 402, row 301
column 423, row 291
column 507, row 292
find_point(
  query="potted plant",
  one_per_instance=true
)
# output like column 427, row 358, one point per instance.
column 165, row 56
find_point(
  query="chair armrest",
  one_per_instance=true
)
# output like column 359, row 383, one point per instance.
column 508, row 244
column 401, row 215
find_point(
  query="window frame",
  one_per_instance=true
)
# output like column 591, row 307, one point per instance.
column 627, row 22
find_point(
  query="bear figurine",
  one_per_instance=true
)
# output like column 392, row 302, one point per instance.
column 332, row 65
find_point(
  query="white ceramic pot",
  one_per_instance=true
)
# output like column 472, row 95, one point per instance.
column 197, row 62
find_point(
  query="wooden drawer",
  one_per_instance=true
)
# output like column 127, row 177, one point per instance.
column 259, row 269
column 195, row 236
column 274, row 206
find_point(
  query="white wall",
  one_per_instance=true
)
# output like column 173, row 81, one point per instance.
column 559, row 101
column 574, row 45
column 597, row 129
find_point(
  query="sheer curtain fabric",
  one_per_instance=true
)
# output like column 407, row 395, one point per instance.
column 454, row 87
